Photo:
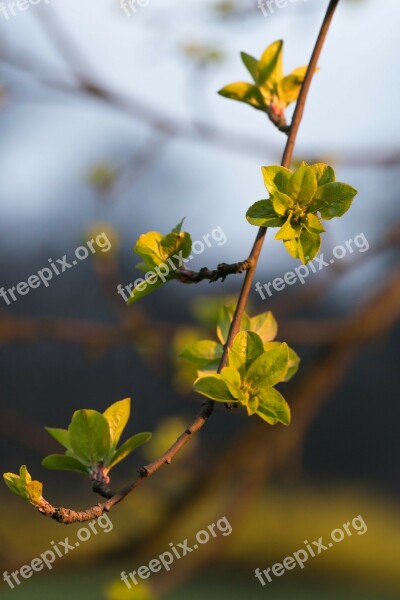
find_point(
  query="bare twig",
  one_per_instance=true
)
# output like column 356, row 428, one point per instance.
column 221, row 272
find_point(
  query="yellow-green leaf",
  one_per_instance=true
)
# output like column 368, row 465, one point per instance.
column 129, row 446
column 244, row 92
column 276, row 178
column 270, row 368
column 262, row 214
column 289, row 231
column 272, row 407
column 232, row 379
column 89, row 435
column 270, row 66
column 248, row 346
column 265, row 326
column 61, row 462
column 61, row 435
column 148, row 248
column 203, row 353
column 117, row 416
column 251, row 65
column 213, row 387
column 282, row 203
column 302, row 186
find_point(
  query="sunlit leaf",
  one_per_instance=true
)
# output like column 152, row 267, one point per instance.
column 272, row 407
column 270, row 368
column 61, row 435
column 276, row 178
column 302, row 186
column 61, row 462
column 248, row 346
column 89, row 435
column 117, row 416
column 262, row 214
column 251, row 65
column 244, row 92
column 270, row 66
column 202, row 353
column 129, row 446
column 213, row 387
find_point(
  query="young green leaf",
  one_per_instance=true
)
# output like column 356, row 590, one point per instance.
column 251, row 65
column 270, row 66
column 252, row 405
column 22, row 485
column 213, row 387
column 178, row 228
column 262, row 214
column 269, row 369
column 89, row 435
column 289, row 87
column 323, row 173
column 248, row 346
column 225, row 320
column 244, row 92
column 309, row 245
column 61, row 462
column 289, row 231
column 313, row 224
column 272, row 407
column 294, row 360
column 232, row 379
column 145, row 287
column 173, row 245
column 148, row 248
column 302, row 186
column 61, row 435
column 203, row 353
column 117, row 416
column 334, row 199
column 127, row 447
column 265, row 326
column 306, row 247
column 282, row 203
column 271, row 91
column 276, row 178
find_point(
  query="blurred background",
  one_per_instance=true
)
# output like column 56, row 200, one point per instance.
column 111, row 123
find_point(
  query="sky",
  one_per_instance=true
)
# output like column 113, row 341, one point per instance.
column 49, row 141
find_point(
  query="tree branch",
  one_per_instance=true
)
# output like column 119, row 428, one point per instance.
column 221, row 272
column 68, row 516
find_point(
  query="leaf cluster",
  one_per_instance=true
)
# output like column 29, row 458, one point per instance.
column 256, row 363
column 92, row 438
column 271, row 91
column 161, row 256
column 298, row 202
column 23, row 485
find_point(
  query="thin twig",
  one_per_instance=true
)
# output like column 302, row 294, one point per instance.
column 221, row 272
column 286, row 162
